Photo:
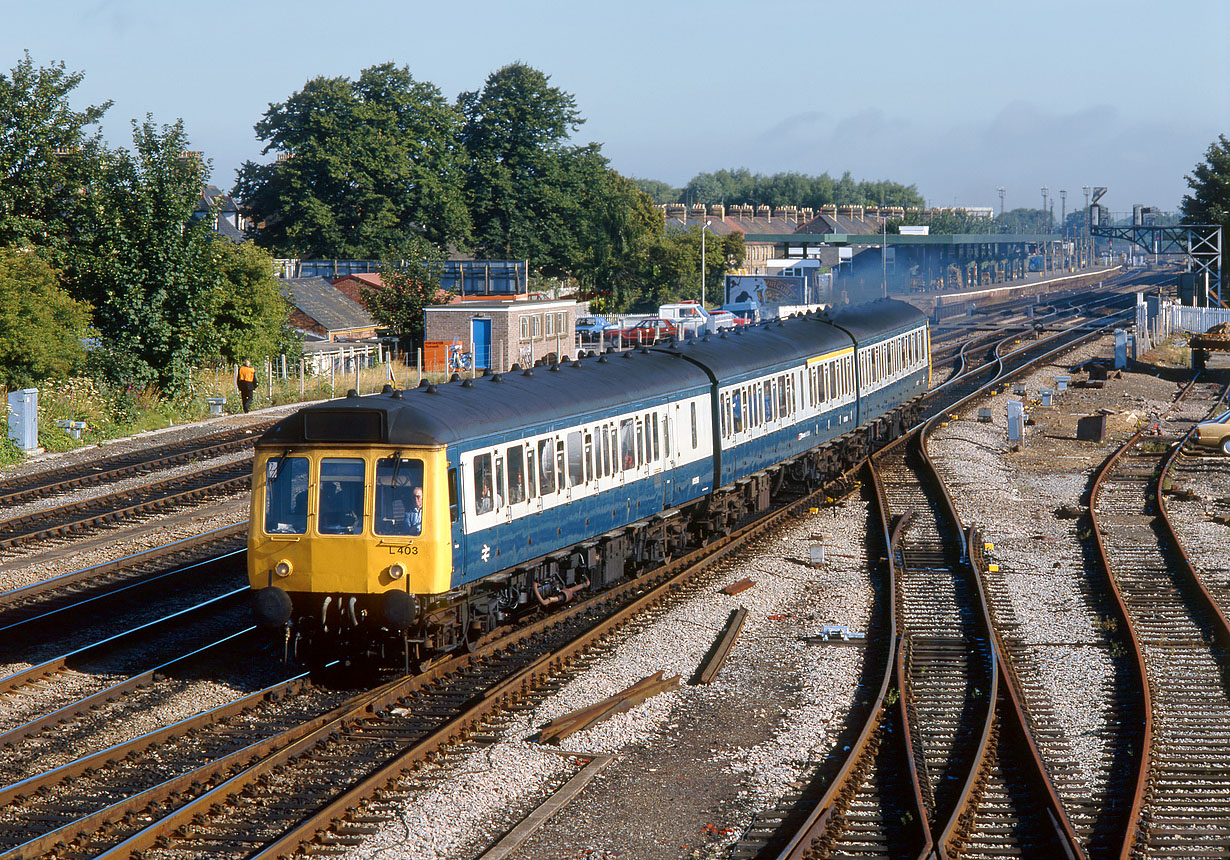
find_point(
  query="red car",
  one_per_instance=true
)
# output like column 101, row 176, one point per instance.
column 647, row 331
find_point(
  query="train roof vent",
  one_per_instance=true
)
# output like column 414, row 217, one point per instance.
column 576, row 364
column 456, row 377
column 516, row 368
column 486, row 371
column 602, row 359
column 396, row 395
column 628, row 354
column 431, row 389
column 387, row 389
column 529, row 371
column 350, row 392
column 467, row 383
column 497, row 377
column 423, row 383
column 705, row 339
column 554, row 368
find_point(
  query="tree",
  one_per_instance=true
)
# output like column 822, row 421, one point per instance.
column 142, row 261
column 362, row 165
column 660, row 192
column 47, row 156
column 245, row 315
column 41, row 326
column 1209, row 202
column 411, row 282
column 515, row 132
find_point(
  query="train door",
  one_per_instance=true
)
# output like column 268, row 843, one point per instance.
column 669, row 419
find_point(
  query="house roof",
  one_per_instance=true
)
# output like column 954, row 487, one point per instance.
column 324, row 303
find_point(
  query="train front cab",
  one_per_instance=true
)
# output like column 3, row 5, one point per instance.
column 337, row 538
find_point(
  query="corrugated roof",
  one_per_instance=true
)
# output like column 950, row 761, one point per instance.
column 326, row 304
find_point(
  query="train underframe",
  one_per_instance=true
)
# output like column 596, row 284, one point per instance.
column 431, row 627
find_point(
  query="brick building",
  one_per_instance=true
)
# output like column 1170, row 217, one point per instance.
column 505, row 333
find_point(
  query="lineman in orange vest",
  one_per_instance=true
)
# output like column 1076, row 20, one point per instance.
column 246, row 383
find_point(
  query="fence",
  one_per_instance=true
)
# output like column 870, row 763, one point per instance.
column 1157, row 320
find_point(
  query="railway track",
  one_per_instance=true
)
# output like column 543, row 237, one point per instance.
column 77, row 516
column 55, row 481
column 1181, row 802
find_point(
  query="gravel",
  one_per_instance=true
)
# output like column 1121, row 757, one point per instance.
column 694, row 765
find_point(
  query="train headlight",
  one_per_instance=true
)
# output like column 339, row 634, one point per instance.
column 283, row 567
column 397, row 571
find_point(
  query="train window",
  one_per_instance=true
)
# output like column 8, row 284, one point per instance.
column 484, row 501
column 768, row 400
column 500, row 490
column 695, row 443
column 286, row 484
column 627, row 444
column 546, row 464
column 559, row 464
column 399, row 496
column 736, row 412
column 516, row 475
column 781, row 396
column 657, row 448
column 640, row 443
column 454, row 509
column 341, row 496
column 589, row 457
column 576, row 466
column 666, row 433
column 790, row 386
column 605, row 438
column 530, row 473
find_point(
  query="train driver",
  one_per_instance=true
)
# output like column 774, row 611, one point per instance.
column 414, row 516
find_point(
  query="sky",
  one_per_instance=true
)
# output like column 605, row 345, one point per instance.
column 957, row 97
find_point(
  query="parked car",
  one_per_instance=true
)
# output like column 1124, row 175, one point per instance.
column 590, row 328
column 647, row 331
column 1214, row 433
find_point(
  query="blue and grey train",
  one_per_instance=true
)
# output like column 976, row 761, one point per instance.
column 412, row 522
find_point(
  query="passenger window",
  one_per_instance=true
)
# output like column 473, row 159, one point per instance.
column 768, row 400
column 483, row 500
column 530, row 473
column 576, row 466
column 606, row 451
column 657, row 449
column 341, row 496
column 695, row 442
column 736, row 410
column 546, row 460
column 640, row 444
column 666, row 433
column 399, row 497
column 516, row 475
column 589, row 458
column 627, row 443
column 499, row 482
column 559, row 464
column 286, row 486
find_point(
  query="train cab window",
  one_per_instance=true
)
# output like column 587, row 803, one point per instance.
column 627, row 444
column 484, row 498
column 341, row 496
column 516, row 475
column 399, row 496
column 576, row 462
column 546, row 462
column 286, row 484
column 454, row 509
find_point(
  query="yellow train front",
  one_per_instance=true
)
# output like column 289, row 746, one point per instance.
column 345, row 533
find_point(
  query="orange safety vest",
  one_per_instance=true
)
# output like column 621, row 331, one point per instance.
column 247, row 374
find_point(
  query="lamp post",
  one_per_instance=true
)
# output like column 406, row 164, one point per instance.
column 1063, row 211
column 703, row 228
column 1044, row 204
column 1087, row 238
column 1001, row 191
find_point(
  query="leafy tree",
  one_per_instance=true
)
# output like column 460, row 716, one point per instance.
column 668, row 269
column 46, row 154
column 411, row 282
column 143, row 263
column 1209, row 202
column 796, row 189
column 245, row 315
column 362, row 165
column 515, row 133
column 658, row 191
column 41, row 326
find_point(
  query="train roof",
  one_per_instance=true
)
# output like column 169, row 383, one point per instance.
column 472, row 409
column 753, row 350
column 878, row 319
